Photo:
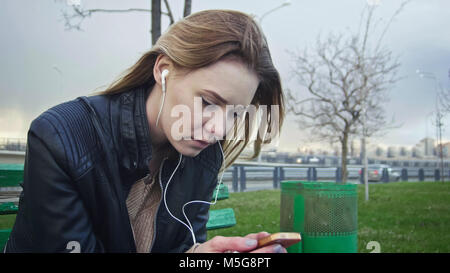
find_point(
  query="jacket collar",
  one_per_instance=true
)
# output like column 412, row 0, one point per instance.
column 134, row 129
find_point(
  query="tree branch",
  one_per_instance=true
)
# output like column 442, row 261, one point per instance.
column 169, row 12
column 82, row 14
column 187, row 8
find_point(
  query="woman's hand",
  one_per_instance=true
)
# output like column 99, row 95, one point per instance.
column 220, row 244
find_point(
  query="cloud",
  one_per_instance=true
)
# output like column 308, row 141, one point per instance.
column 34, row 40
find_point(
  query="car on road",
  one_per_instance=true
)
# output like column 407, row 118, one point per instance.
column 375, row 173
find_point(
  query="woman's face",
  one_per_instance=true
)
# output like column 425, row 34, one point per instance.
column 195, row 113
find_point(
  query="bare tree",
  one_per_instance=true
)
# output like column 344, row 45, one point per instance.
column 443, row 94
column 187, row 7
column 344, row 86
column 442, row 108
column 74, row 20
column 156, row 20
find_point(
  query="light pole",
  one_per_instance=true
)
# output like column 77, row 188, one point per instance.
column 285, row 3
column 430, row 75
column 439, row 116
column 73, row 2
column 427, row 117
column 54, row 67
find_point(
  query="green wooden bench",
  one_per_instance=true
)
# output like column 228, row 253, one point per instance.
column 221, row 218
column 4, row 235
column 223, row 192
column 11, row 175
column 6, row 208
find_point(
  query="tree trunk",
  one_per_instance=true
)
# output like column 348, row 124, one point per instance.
column 366, row 168
column 187, row 8
column 344, row 144
column 156, row 20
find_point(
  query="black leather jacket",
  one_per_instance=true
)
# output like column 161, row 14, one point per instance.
column 76, row 181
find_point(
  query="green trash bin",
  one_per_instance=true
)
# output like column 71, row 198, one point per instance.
column 11, row 175
column 325, row 214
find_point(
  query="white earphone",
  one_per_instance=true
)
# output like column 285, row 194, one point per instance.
column 189, row 225
column 163, row 79
column 163, row 83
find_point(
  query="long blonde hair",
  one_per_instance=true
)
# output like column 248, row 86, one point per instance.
column 206, row 37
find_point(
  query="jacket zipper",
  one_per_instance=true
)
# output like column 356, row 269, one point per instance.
column 159, row 204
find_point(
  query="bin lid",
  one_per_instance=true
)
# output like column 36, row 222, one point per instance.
column 316, row 185
column 11, row 167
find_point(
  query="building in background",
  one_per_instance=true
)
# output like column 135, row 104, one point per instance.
column 379, row 152
column 428, row 146
column 392, row 152
column 404, row 152
column 445, row 149
column 417, row 151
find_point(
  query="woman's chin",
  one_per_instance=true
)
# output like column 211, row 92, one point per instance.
column 186, row 149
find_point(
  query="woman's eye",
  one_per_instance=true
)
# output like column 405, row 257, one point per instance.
column 205, row 102
column 236, row 115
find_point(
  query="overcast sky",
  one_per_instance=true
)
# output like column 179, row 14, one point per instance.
column 42, row 64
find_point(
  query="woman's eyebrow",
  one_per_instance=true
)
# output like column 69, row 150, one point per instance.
column 217, row 96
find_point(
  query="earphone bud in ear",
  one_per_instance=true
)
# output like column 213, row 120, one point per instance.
column 163, row 83
column 163, row 79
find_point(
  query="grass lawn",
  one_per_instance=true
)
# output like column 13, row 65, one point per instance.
column 7, row 221
column 402, row 216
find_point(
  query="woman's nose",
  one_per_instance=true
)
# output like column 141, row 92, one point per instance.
column 214, row 128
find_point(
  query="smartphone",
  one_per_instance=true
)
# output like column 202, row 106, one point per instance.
column 286, row 239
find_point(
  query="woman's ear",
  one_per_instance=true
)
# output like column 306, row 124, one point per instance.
column 162, row 62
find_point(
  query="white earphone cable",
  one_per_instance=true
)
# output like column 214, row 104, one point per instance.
column 165, row 192
column 202, row 201
column 189, row 225
column 161, row 107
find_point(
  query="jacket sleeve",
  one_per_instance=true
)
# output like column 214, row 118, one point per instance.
column 57, row 217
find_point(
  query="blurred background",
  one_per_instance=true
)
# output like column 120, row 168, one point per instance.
column 381, row 67
column 50, row 55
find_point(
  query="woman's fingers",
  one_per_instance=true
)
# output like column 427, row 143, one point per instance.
column 240, row 244
column 258, row 235
column 223, row 244
column 220, row 244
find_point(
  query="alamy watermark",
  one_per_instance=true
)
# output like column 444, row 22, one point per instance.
column 221, row 120
column 374, row 246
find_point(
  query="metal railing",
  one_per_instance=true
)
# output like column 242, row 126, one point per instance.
column 13, row 144
column 243, row 178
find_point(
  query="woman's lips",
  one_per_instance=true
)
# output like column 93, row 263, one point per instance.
column 200, row 143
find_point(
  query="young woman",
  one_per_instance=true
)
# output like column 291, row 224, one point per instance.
column 113, row 172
